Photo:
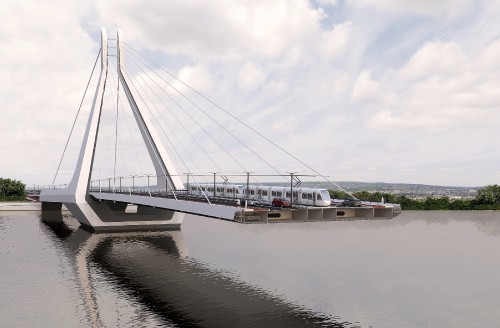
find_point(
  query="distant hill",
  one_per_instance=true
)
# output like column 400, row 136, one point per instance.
column 411, row 190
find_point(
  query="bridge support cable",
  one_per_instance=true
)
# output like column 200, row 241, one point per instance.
column 108, row 131
column 151, row 143
column 140, row 72
column 237, row 119
column 172, row 114
column 174, row 135
column 76, row 117
column 156, row 154
column 161, row 128
column 120, row 107
column 159, row 156
column 142, row 171
column 106, row 134
column 112, row 99
column 156, row 120
column 116, row 128
column 213, row 120
column 193, row 119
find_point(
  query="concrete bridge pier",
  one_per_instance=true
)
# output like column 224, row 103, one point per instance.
column 108, row 216
column 51, row 206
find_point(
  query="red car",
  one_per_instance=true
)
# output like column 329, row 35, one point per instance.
column 281, row 202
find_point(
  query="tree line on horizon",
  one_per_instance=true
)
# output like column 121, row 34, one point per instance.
column 487, row 198
column 12, row 190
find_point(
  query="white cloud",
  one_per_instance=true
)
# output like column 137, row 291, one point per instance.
column 251, row 77
column 275, row 87
column 335, row 41
column 38, row 51
column 453, row 87
column 434, row 58
column 327, row 2
column 387, row 120
column 224, row 29
column 420, row 8
column 367, row 90
column 196, row 77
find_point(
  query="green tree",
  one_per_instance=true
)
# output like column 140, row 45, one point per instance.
column 489, row 195
column 439, row 203
column 11, row 189
column 461, row 205
column 363, row 195
column 338, row 194
column 408, row 203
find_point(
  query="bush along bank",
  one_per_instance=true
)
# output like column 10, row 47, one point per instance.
column 12, row 190
column 487, row 198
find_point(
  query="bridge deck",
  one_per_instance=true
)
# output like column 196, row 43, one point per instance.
column 229, row 209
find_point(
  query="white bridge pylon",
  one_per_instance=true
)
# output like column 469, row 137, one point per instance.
column 102, row 211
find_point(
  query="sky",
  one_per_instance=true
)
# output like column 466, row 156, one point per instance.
column 375, row 91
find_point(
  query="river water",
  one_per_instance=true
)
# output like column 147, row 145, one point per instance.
column 421, row 269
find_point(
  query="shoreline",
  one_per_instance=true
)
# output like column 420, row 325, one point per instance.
column 20, row 206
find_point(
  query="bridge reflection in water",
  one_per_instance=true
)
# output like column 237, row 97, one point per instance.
column 153, row 268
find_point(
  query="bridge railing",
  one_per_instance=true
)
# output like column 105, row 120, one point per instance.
column 40, row 187
column 148, row 184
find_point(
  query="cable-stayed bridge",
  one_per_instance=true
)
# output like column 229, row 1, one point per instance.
column 184, row 140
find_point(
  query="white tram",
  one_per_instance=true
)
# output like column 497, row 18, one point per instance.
column 302, row 196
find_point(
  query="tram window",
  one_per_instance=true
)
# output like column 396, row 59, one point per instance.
column 318, row 197
column 264, row 192
column 287, row 194
column 278, row 194
column 252, row 192
column 304, row 196
column 273, row 193
column 309, row 196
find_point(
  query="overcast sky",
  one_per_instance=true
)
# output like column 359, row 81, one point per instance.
column 363, row 90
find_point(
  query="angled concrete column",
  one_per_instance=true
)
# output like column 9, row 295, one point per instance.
column 96, row 215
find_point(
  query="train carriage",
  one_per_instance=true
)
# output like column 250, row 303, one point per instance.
column 301, row 196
